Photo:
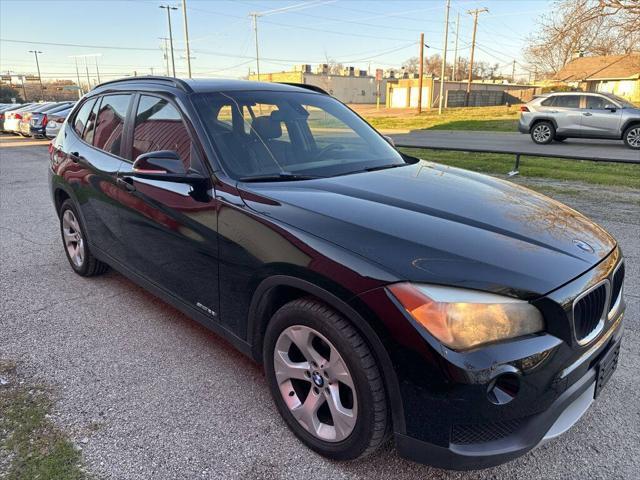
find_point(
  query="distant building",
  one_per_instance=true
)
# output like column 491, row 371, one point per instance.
column 618, row 74
column 403, row 93
column 350, row 86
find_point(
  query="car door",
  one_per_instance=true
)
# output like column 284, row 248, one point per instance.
column 170, row 228
column 566, row 112
column 95, row 157
column 601, row 117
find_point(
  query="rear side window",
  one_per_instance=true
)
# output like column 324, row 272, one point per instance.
column 82, row 116
column 159, row 126
column 567, row 101
column 110, row 123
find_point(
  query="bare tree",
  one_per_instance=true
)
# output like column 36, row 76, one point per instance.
column 593, row 27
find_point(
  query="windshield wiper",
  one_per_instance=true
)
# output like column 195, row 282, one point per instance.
column 384, row 167
column 277, row 177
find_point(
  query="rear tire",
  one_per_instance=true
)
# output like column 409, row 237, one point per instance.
column 631, row 137
column 76, row 247
column 543, row 133
column 325, row 381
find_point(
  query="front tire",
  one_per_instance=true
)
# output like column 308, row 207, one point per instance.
column 543, row 133
column 325, row 381
column 75, row 243
column 631, row 137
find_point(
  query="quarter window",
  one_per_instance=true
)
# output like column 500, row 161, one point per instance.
column 110, row 123
column 81, row 118
column 90, row 129
column 159, row 126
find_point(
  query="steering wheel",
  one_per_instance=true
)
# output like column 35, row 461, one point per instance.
column 329, row 148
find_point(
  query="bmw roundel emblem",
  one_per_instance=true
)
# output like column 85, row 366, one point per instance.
column 584, row 246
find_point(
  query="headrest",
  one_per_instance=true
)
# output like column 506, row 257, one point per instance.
column 266, row 127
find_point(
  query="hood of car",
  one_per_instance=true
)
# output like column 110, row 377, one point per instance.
column 436, row 224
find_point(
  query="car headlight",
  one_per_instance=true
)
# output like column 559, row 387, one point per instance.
column 463, row 319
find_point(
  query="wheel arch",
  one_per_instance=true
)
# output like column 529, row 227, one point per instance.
column 543, row 119
column 629, row 123
column 275, row 291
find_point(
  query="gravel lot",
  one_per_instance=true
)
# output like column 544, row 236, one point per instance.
column 148, row 393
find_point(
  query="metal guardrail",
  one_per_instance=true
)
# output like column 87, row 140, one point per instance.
column 517, row 154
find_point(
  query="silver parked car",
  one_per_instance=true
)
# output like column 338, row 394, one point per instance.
column 558, row 116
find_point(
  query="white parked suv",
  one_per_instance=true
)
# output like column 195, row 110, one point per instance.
column 558, row 116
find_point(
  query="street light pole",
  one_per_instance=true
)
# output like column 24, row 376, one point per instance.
column 186, row 36
column 420, row 72
column 455, row 56
column 35, row 53
column 255, row 30
column 443, row 69
column 173, row 61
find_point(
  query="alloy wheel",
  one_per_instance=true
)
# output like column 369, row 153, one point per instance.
column 315, row 383
column 73, row 241
column 542, row 133
column 633, row 137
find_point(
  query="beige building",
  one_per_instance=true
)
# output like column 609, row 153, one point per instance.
column 350, row 86
column 618, row 74
column 403, row 93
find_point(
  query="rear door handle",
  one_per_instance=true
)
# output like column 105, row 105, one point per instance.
column 587, row 114
column 126, row 183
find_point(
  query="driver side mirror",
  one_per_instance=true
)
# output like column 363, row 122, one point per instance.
column 164, row 165
column 389, row 140
column 610, row 107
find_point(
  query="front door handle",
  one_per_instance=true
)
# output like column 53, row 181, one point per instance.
column 126, row 183
column 587, row 114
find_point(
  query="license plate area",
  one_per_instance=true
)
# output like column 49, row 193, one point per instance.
column 605, row 369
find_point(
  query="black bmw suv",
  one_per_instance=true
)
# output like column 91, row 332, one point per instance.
column 469, row 318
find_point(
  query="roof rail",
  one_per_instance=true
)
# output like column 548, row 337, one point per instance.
column 306, row 86
column 176, row 82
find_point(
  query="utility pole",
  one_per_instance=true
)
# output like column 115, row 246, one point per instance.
column 35, row 53
column 421, row 73
column 186, row 36
column 165, row 52
column 513, row 72
column 97, row 69
column 24, row 90
column 255, row 16
column 173, row 61
column 80, row 90
column 455, row 56
column 86, row 66
column 475, row 14
column 443, row 70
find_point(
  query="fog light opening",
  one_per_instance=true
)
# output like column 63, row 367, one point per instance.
column 503, row 389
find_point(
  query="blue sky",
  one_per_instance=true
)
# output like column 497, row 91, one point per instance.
column 354, row 32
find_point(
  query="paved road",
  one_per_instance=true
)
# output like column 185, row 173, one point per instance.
column 155, row 395
column 515, row 142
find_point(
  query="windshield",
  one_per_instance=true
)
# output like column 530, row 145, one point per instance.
column 269, row 133
column 622, row 101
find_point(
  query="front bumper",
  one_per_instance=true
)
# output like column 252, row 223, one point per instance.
column 530, row 432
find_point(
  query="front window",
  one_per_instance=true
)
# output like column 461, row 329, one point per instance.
column 268, row 133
